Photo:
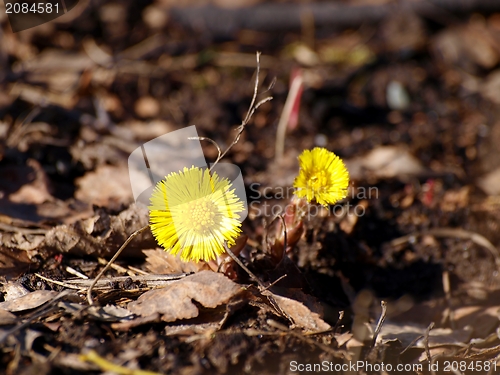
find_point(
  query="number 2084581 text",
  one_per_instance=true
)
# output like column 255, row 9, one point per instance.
column 32, row 8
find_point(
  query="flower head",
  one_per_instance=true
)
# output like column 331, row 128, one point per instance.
column 193, row 212
column 323, row 177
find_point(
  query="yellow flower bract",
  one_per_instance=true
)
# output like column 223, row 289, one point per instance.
column 323, row 177
column 192, row 212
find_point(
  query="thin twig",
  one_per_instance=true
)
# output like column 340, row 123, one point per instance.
column 380, row 322
column 106, row 283
column 449, row 313
column 255, row 88
column 18, row 128
column 130, row 238
column 275, row 281
column 117, row 267
column 410, row 345
column 426, row 341
column 138, row 270
column 284, row 234
column 337, row 324
column 262, row 287
column 251, row 110
column 240, row 263
column 60, row 283
column 211, row 141
column 72, row 271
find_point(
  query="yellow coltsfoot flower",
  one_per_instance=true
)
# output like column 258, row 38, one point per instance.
column 323, row 177
column 193, row 211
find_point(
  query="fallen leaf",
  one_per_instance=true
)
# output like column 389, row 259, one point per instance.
column 302, row 317
column 467, row 46
column 482, row 320
column 107, row 186
column 110, row 313
column 385, row 162
column 343, row 338
column 490, row 182
column 37, row 190
column 93, row 154
column 6, row 317
column 407, row 333
column 354, row 343
column 490, row 87
column 174, row 302
column 29, row 301
column 14, row 290
column 159, row 261
column 26, row 200
column 13, row 263
column 107, row 234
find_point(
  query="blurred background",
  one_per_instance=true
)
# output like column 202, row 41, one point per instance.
column 373, row 73
column 407, row 92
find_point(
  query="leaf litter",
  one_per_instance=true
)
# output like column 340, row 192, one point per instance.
column 174, row 302
column 426, row 243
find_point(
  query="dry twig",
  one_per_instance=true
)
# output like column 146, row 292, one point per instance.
column 254, row 105
column 117, row 254
column 380, row 322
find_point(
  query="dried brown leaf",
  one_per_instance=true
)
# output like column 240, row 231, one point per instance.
column 107, row 186
column 37, row 190
column 13, row 263
column 100, row 235
column 110, row 313
column 467, row 46
column 29, row 301
column 482, row 320
column 342, row 338
column 6, row 317
column 302, row 317
column 174, row 302
column 26, row 202
column 385, row 162
column 407, row 333
column 158, row 261
column 490, row 182
column 13, row 290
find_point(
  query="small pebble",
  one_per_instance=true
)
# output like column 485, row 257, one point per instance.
column 397, row 97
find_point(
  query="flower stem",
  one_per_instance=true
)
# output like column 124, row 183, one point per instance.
column 240, row 263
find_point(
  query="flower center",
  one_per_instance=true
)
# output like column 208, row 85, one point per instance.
column 200, row 216
column 318, row 181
